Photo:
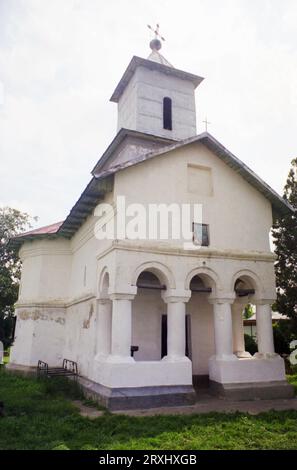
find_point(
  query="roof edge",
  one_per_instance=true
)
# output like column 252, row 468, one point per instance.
column 152, row 65
column 278, row 203
column 118, row 139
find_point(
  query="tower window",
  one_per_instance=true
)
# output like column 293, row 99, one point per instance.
column 167, row 113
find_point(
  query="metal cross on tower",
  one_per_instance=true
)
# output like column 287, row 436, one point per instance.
column 156, row 31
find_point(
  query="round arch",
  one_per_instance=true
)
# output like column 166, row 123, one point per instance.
column 250, row 279
column 103, row 284
column 160, row 270
column 208, row 276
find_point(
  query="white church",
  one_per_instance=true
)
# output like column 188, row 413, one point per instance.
column 149, row 320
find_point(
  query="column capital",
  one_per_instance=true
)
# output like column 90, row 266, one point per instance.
column 241, row 302
column 121, row 296
column 227, row 299
column 125, row 293
column 263, row 301
column 176, row 295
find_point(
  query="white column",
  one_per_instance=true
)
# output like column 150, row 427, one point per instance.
column 264, row 329
column 238, row 330
column 104, row 317
column 223, row 329
column 121, row 330
column 176, row 328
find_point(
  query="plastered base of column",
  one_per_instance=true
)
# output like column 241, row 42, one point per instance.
column 142, row 374
column 133, row 398
column 247, row 370
column 242, row 354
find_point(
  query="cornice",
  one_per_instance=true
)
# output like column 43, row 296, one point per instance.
column 54, row 303
column 177, row 250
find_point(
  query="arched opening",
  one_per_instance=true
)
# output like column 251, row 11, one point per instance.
column 149, row 340
column 103, row 288
column 200, row 327
column 244, row 317
column 167, row 113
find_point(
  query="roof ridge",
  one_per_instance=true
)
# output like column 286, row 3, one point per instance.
column 220, row 151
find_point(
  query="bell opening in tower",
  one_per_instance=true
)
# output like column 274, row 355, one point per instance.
column 167, row 113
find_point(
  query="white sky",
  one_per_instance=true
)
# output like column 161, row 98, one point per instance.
column 60, row 61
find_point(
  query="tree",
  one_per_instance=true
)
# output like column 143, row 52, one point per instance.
column 12, row 222
column 248, row 312
column 285, row 238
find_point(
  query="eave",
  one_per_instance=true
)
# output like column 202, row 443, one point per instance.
column 151, row 65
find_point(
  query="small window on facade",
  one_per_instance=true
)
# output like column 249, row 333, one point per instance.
column 201, row 234
column 167, row 113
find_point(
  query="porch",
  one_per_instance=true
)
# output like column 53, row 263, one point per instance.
column 182, row 337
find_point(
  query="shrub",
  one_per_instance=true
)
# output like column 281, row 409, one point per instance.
column 250, row 344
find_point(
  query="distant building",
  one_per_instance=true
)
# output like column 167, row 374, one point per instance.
column 250, row 325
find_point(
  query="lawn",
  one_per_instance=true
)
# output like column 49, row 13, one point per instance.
column 40, row 415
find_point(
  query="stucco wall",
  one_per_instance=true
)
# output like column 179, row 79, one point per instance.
column 238, row 215
column 80, row 337
column 141, row 105
column 39, row 336
column 46, row 270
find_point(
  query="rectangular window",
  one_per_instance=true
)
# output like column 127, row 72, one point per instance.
column 201, row 234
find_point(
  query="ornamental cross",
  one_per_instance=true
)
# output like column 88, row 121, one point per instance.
column 156, row 31
column 206, row 122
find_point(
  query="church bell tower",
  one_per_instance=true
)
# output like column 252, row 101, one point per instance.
column 155, row 98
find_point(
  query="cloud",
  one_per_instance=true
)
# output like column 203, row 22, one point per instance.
column 60, row 61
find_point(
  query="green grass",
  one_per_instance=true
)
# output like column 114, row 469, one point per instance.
column 6, row 358
column 292, row 379
column 40, row 416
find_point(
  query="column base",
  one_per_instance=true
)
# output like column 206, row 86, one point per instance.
column 133, row 398
column 176, row 359
column 242, row 354
column 112, row 359
column 142, row 373
column 253, row 370
column 252, row 391
column 258, row 355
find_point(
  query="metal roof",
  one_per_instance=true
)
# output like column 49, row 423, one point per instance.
column 47, row 229
column 279, row 204
column 276, row 316
column 152, row 65
column 94, row 192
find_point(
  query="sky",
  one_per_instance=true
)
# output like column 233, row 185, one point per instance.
column 60, row 61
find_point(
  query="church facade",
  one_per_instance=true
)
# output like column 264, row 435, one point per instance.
column 148, row 318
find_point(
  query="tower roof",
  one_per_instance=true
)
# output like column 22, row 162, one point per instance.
column 155, row 62
column 155, row 56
